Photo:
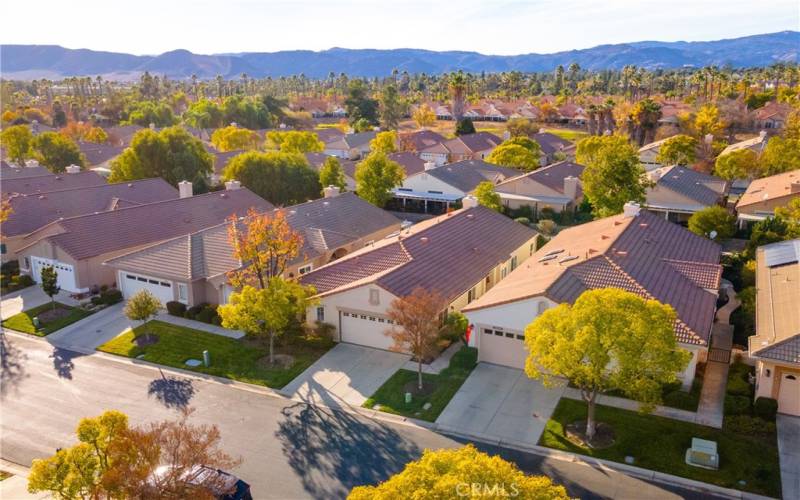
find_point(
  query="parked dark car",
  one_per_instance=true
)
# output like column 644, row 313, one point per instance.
column 220, row 484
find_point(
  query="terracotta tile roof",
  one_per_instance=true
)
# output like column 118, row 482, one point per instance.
column 45, row 183
column 449, row 254
column 776, row 110
column 421, row 139
column 644, row 254
column 30, row 212
column 778, row 295
column 96, row 234
column 325, row 224
column 769, row 188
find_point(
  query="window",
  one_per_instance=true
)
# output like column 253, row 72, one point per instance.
column 2, row 248
column 381, row 320
column 347, row 314
column 363, row 316
column 27, row 263
column 520, row 337
column 130, row 277
column 372, row 318
column 154, row 282
column 321, row 314
column 503, row 273
column 487, row 331
column 470, row 295
column 498, row 333
column 530, row 250
column 374, row 297
column 165, row 284
column 435, row 192
column 513, row 262
column 509, row 335
column 183, row 293
column 142, row 279
column 305, row 269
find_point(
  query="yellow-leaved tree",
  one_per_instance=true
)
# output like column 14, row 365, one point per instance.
column 461, row 473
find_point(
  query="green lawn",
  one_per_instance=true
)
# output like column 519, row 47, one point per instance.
column 567, row 134
column 230, row 358
column 391, row 395
column 660, row 444
column 23, row 322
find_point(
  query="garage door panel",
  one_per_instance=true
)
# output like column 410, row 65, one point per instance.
column 133, row 283
column 789, row 394
column 365, row 329
column 501, row 347
column 65, row 272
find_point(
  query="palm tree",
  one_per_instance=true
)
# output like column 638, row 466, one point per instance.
column 458, row 92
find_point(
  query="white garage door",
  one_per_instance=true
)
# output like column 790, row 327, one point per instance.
column 65, row 272
column 132, row 283
column 501, row 347
column 789, row 394
column 365, row 329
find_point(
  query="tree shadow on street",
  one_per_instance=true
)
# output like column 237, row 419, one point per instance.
column 62, row 361
column 172, row 392
column 12, row 366
column 333, row 451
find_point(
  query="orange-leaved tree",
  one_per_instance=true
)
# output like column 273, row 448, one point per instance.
column 264, row 243
column 418, row 318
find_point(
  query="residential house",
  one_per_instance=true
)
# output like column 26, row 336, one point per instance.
column 33, row 211
column 99, row 156
column 435, row 189
column 78, row 246
column 776, row 344
column 648, row 154
column 122, row 135
column 459, row 255
column 755, row 144
column 329, row 134
column 573, row 114
column 221, row 160
column 350, row 146
column 553, row 147
column 772, row 115
column 475, row 146
column 316, row 160
column 764, row 195
column 556, row 187
column 73, row 178
column 636, row 251
column 412, row 164
column 32, row 168
column 419, row 140
column 678, row 192
column 197, row 264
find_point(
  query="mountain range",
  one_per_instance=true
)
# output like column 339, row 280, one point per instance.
column 26, row 62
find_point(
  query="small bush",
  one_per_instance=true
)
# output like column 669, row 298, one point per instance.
column 11, row 267
column 207, row 314
column 103, row 288
column 193, row 311
column 748, row 426
column 176, row 308
column 523, row 220
column 737, row 405
column 738, row 387
column 766, row 408
column 216, row 320
column 111, row 296
column 681, row 399
column 24, row 280
column 96, row 300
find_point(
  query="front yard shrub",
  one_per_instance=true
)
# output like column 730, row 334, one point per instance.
column 523, row 220
column 680, row 399
column 10, row 268
column 738, row 387
column 207, row 314
column 193, row 311
column 737, row 405
column 111, row 296
column 96, row 301
column 176, row 308
column 766, row 408
column 749, row 426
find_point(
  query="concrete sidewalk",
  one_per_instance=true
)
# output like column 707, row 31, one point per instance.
column 199, row 325
column 789, row 454
column 16, row 486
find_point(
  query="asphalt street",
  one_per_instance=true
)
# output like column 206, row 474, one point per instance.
column 289, row 449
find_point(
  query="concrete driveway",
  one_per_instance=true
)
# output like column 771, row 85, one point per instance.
column 500, row 403
column 789, row 454
column 92, row 331
column 346, row 375
column 33, row 296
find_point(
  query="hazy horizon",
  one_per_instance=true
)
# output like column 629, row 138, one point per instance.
column 509, row 27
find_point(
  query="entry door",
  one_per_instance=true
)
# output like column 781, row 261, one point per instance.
column 789, row 394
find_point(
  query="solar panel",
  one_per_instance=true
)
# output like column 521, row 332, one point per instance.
column 567, row 258
column 548, row 257
column 553, row 252
column 785, row 252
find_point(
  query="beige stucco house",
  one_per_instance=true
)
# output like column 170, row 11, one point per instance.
column 556, row 187
column 764, row 195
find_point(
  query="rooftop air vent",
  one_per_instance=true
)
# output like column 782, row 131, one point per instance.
column 567, row 258
column 554, row 252
column 547, row 257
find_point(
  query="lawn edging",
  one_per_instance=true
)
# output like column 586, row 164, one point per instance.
column 631, row 470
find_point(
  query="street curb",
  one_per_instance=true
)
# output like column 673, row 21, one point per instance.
column 631, row 470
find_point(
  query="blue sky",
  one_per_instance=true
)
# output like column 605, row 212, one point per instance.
column 487, row 26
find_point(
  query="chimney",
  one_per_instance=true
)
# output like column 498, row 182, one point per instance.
column 429, row 165
column 185, row 189
column 763, row 134
column 631, row 209
column 73, row 169
column 31, row 163
column 331, row 191
column 234, row 125
column 794, row 187
column 233, row 185
column 469, row 201
column 571, row 187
